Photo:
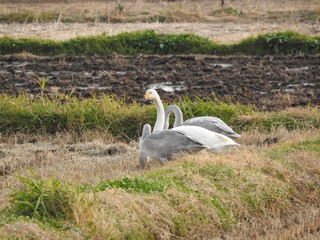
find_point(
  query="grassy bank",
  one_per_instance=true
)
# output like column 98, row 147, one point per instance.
column 124, row 121
column 246, row 195
column 149, row 42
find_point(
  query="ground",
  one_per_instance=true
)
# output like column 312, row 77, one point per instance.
column 269, row 82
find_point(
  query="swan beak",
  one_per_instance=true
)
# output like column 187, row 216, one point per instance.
column 145, row 98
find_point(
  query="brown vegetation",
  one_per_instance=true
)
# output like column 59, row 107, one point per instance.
column 238, row 19
column 92, row 158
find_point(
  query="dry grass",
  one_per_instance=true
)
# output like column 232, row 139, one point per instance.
column 189, row 16
column 137, row 6
column 85, row 160
column 219, row 32
column 94, row 157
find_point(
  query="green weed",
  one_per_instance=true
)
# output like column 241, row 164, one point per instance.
column 283, row 151
column 212, row 107
column 120, row 8
column 229, row 11
column 20, row 17
column 287, row 42
column 44, row 199
column 145, row 13
column 137, row 184
column 42, row 83
column 28, row 17
column 124, row 121
column 291, row 120
column 148, row 42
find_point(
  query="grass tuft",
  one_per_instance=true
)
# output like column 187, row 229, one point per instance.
column 45, row 199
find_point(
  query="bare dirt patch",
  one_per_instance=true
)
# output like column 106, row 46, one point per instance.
column 269, row 82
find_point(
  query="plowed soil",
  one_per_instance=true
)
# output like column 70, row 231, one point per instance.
column 268, row 82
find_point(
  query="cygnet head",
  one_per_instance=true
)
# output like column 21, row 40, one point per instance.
column 146, row 131
column 151, row 95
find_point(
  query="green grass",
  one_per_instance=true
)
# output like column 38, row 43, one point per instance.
column 229, row 11
column 137, row 184
column 268, row 121
column 41, row 115
column 124, row 121
column 45, row 200
column 179, row 198
column 307, row 145
column 28, row 17
column 149, row 42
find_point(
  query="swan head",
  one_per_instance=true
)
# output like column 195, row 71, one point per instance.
column 151, row 95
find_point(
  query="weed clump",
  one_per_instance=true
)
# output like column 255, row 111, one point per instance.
column 45, row 199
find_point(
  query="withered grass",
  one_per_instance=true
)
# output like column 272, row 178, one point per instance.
column 244, row 19
column 265, row 189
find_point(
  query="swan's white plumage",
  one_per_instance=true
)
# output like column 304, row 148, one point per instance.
column 211, row 123
column 152, row 95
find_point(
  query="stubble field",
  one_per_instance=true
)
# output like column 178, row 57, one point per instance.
column 268, row 167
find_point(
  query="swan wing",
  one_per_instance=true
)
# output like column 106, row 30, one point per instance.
column 169, row 144
column 213, row 124
column 212, row 140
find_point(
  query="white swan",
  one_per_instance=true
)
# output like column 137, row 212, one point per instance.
column 213, row 124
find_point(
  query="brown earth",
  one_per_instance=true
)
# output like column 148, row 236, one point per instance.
column 269, row 82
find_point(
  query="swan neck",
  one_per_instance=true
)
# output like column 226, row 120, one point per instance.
column 166, row 119
column 160, row 115
column 178, row 118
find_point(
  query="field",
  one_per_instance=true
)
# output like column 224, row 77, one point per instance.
column 236, row 21
column 270, row 83
column 70, row 125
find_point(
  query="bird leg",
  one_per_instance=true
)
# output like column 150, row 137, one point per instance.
column 163, row 160
column 143, row 160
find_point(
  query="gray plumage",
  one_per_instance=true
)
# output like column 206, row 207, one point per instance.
column 213, row 124
column 165, row 145
column 168, row 144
